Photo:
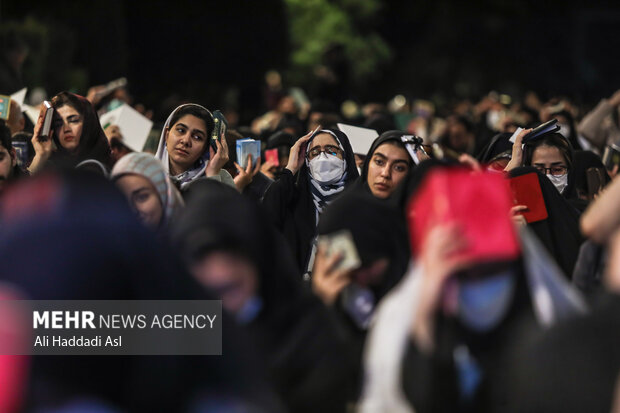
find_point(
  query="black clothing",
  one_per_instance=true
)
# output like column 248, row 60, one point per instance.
column 74, row 238
column 574, row 366
column 392, row 136
column 589, row 267
column 498, row 145
column 93, row 142
column 560, row 231
column 293, row 332
column 290, row 205
column 582, row 162
column 436, row 383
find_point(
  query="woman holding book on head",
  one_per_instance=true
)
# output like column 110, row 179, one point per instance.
column 321, row 165
column 75, row 135
column 187, row 150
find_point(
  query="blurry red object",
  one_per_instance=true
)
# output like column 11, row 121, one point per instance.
column 15, row 338
column 478, row 203
column 271, row 155
column 526, row 191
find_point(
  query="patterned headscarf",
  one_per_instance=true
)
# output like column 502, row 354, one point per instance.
column 198, row 169
column 145, row 165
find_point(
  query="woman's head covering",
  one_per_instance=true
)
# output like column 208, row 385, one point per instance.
column 553, row 300
column 392, row 136
column 199, row 167
column 378, row 232
column 559, row 233
column 323, row 194
column 499, row 146
column 217, row 217
column 73, row 237
column 582, row 162
column 93, row 142
column 559, row 141
column 145, row 165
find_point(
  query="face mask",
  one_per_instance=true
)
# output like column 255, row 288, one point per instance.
column 560, row 182
column 250, row 310
column 484, row 303
column 326, row 169
column 493, row 118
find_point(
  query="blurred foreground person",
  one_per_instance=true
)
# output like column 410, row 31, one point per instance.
column 148, row 189
column 232, row 250
column 362, row 253
column 445, row 337
column 73, row 237
column 575, row 366
column 320, row 166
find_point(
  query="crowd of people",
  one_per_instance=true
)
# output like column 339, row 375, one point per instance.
column 466, row 262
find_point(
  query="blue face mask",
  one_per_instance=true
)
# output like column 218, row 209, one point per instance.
column 484, row 303
column 250, row 310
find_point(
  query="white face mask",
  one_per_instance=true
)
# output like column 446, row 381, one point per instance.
column 560, row 182
column 326, row 169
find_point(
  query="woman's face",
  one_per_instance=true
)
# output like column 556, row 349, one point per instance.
column 387, row 168
column 68, row 126
column 322, row 141
column 549, row 160
column 232, row 277
column 143, row 198
column 186, row 142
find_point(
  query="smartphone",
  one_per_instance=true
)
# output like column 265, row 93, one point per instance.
column 219, row 129
column 611, row 156
column 595, row 181
column 47, row 121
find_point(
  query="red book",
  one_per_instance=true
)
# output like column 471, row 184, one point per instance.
column 526, row 191
column 271, row 155
column 479, row 203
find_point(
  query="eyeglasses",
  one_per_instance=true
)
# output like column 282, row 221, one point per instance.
column 328, row 150
column 554, row 170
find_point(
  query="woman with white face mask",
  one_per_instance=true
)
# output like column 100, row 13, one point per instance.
column 321, row 165
column 552, row 155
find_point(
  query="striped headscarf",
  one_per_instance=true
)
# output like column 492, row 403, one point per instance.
column 147, row 166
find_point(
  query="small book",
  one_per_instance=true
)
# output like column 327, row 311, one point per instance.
column 479, row 204
column 361, row 138
column 134, row 126
column 5, row 106
column 526, row 191
column 219, row 130
column 47, row 120
column 247, row 147
column 271, row 155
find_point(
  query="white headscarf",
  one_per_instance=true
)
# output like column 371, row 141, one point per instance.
column 198, row 169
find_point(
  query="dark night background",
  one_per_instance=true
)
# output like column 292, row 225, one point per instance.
column 199, row 50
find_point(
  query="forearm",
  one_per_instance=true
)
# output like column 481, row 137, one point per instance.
column 591, row 125
column 602, row 217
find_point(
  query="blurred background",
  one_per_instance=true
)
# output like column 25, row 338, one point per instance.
column 219, row 53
